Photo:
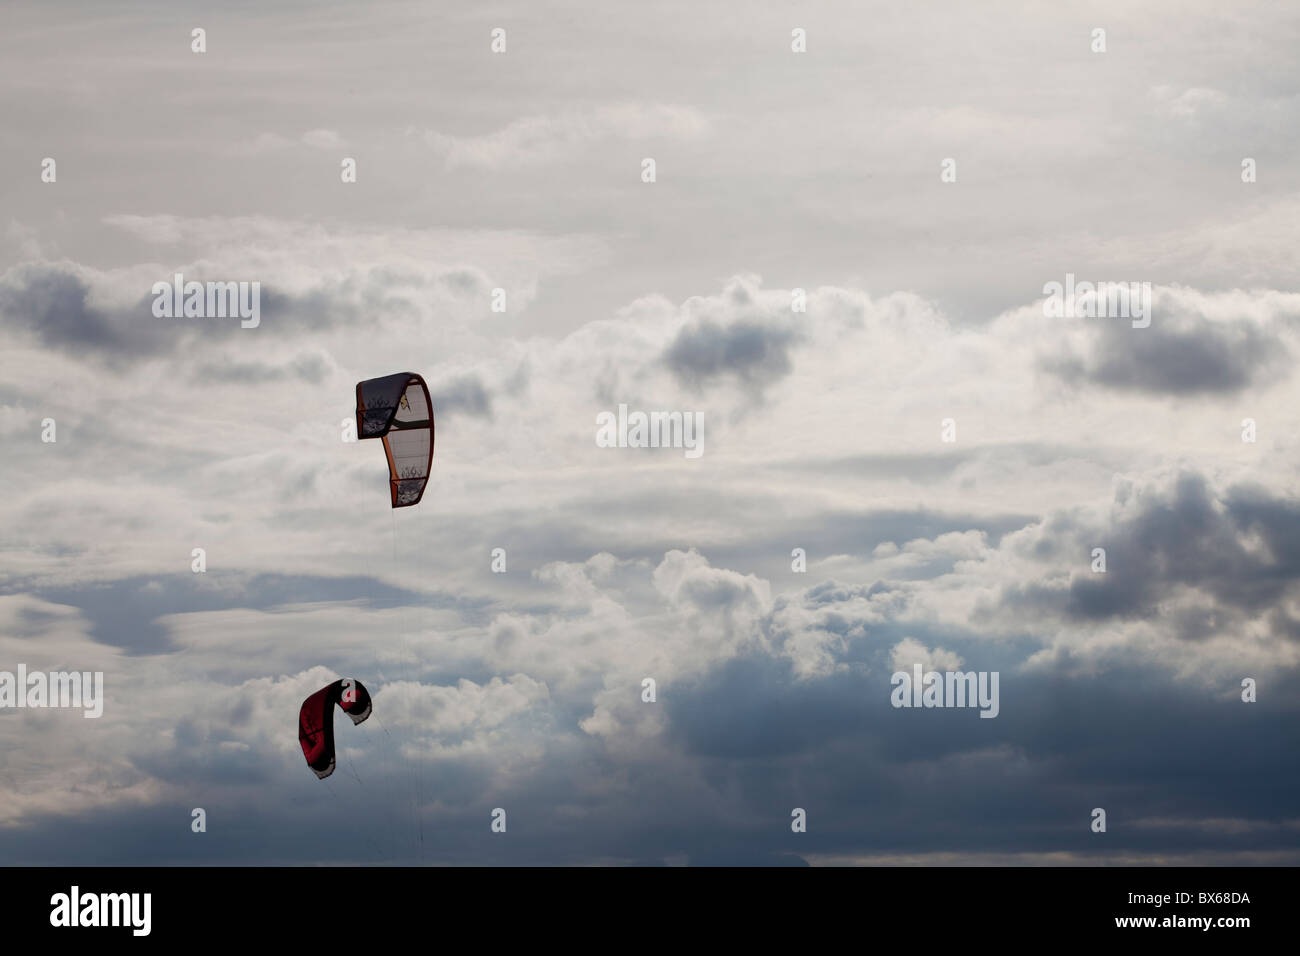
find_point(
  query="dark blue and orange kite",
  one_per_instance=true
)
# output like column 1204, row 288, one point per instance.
column 397, row 409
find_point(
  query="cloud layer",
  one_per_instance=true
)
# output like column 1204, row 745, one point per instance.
column 643, row 657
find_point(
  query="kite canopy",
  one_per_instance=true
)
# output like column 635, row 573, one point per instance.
column 397, row 409
column 316, row 721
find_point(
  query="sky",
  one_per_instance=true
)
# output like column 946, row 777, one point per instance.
column 917, row 178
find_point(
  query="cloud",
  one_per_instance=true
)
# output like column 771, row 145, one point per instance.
column 309, row 368
column 909, row 652
column 746, row 350
column 527, row 688
column 324, row 139
column 55, row 303
column 1202, row 578
column 556, row 729
column 464, row 394
column 1181, row 353
column 555, row 137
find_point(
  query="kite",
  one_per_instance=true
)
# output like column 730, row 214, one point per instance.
column 316, row 721
column 397, row 409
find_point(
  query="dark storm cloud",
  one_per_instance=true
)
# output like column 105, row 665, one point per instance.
column 868, row 772
column 754, row 353
column 1277, row 520
column 52, row 303
column 747, row 741
column 125, row 613
column 464, row 395
column 315, row 310
column 752, row 744
column 1184, row 355
column 1238, row 549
